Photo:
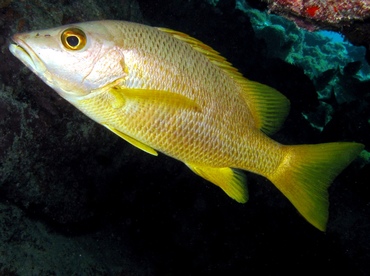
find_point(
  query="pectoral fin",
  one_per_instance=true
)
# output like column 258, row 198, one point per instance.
column 158, row 97
column 232, row 181
column 132, row 141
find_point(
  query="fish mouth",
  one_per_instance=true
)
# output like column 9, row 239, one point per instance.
column 21, row 50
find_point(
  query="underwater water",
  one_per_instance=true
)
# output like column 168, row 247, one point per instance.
column 334, row 36
column 75, row 199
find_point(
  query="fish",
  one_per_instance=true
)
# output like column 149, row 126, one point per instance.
column 164, row 91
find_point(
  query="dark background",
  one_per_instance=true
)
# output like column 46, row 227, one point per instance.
column 77, row 200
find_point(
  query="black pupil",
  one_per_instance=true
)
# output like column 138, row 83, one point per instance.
column 72, row 41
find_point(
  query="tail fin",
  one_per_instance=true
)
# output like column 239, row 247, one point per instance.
column 306, row 173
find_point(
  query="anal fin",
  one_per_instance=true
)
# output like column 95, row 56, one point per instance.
column 231, row 181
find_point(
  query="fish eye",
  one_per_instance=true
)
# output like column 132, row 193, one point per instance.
column 73, row 39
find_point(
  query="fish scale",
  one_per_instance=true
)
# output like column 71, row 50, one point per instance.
column 158, row 79
column 162, row 90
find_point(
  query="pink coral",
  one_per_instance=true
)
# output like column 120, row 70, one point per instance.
column 308, row 12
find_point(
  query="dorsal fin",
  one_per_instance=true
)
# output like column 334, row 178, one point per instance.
column 268, row 106
column 206, row 50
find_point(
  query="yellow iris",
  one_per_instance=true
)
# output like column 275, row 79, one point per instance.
column 73, row 39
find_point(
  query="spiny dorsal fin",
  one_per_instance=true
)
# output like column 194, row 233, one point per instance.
column 269, row 107
column 206, row 50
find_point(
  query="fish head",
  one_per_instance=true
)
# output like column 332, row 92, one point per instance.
column 74, row 59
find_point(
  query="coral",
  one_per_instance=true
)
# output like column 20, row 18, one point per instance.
column 350, row 17
column 312, row 51
column 329, row 11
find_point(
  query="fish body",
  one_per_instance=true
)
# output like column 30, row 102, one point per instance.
column 162, row 90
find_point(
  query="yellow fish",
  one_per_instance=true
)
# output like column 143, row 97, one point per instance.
column 162, row 90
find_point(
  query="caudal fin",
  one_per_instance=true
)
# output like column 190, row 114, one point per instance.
column 306, row 173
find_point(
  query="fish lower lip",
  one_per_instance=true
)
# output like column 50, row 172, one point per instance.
column 22, row 54
column 19, row 47
column 25, row 54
